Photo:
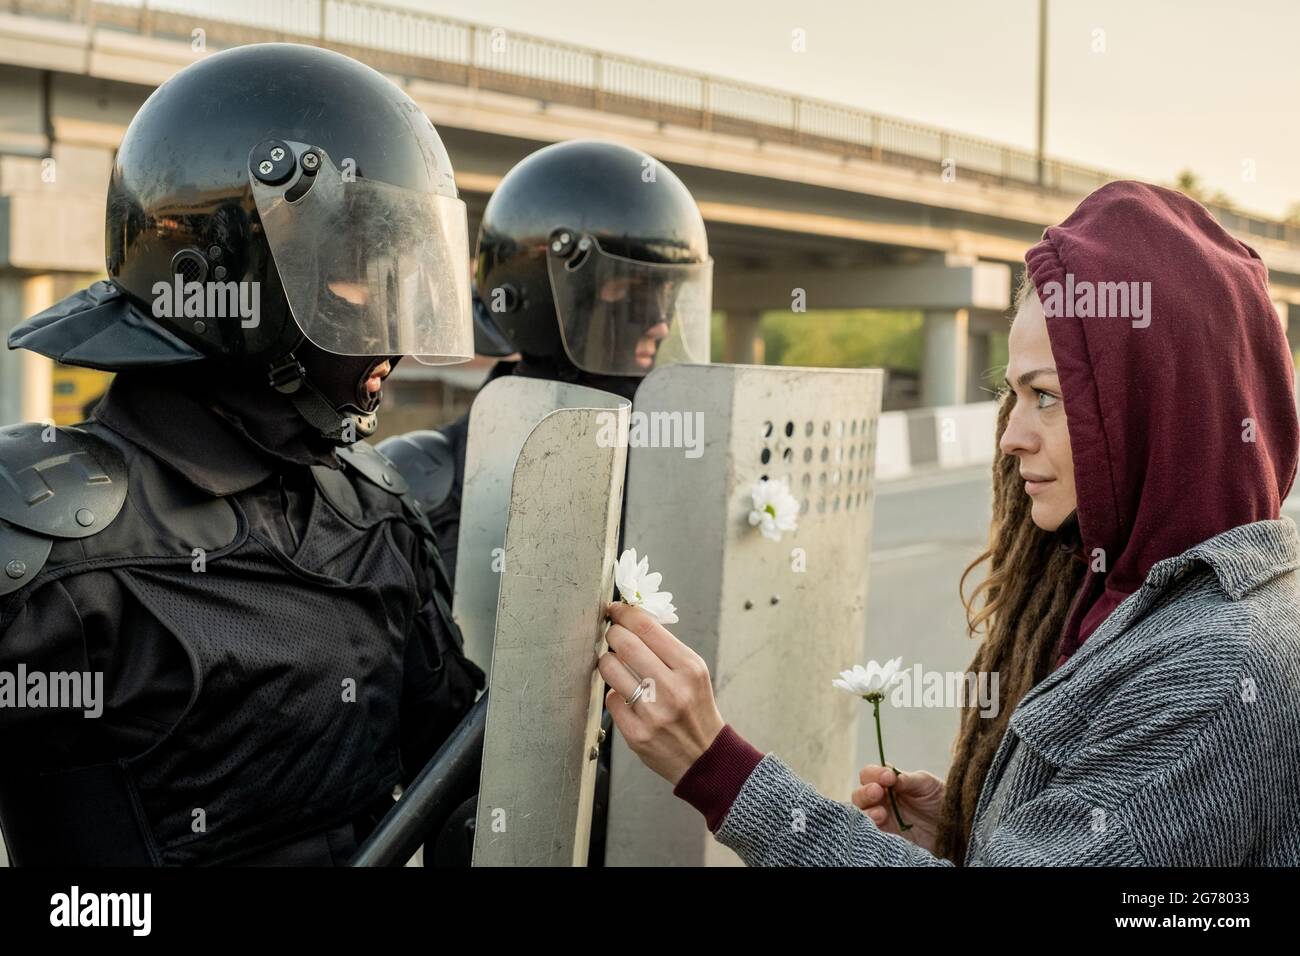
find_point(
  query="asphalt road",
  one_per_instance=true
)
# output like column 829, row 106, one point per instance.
column 927, row 530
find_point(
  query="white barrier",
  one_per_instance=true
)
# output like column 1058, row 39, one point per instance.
column 950, row 436
column 893, row 447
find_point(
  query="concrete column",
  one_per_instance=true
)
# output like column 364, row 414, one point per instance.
column 11, row 363
column 944, row 360
column 979, row 352
column 26, row 379
column 742, row 343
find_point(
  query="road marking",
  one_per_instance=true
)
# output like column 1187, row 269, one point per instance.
column 908, row 551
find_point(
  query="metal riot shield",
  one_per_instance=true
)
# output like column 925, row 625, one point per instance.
column 503, row 416
column 545, row 695
column 774, row 620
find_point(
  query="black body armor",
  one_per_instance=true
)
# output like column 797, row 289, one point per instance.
column 261, row 705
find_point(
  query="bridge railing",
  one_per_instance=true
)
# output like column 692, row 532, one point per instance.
column 443, row 49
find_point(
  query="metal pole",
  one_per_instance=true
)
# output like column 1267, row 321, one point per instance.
column 443, row 785
column 1042, row 82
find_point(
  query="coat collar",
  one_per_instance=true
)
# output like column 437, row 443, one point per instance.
column 1242, row 558
column 1051, row 718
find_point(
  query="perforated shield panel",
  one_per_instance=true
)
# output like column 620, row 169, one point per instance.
column 774, row 620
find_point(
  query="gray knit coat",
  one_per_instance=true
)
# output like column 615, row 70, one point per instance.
column 1170, row 738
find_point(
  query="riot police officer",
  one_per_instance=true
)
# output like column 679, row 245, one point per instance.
column 262, row 600
column 593, row 265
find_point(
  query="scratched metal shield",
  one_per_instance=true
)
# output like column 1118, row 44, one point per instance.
column 503, row 416
column 539, row 767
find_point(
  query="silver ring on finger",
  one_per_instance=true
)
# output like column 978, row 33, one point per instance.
column 636, row 695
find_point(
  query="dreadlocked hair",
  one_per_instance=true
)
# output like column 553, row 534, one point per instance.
column 1019, row 610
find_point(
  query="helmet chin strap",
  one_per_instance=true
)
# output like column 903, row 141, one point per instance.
column 341, row 424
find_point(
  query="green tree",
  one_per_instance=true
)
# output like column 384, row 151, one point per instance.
column 857, row 338
column 1188, row 183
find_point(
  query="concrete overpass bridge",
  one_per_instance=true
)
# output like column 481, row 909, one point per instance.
column 855, row 209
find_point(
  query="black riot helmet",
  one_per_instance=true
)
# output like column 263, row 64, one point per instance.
column 593, row 255
column 268, row 203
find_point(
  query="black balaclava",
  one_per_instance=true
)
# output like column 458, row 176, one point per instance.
column 268, row 419
column 329, row 392
column 263, row 417
column 342, row 378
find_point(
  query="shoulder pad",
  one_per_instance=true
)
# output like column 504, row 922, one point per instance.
column 427, row 460
column 62, row 482
column 364, row 459
column 23, row 554
column 54, row 483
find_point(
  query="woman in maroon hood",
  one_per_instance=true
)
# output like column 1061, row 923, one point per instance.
column 1182, row 420
column 1152, row 418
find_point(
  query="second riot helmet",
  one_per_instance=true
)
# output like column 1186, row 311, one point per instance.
column 594, row 254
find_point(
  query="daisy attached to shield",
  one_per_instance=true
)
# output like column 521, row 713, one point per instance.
column 775, row 511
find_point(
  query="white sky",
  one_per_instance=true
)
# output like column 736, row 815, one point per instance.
column 1200, row 84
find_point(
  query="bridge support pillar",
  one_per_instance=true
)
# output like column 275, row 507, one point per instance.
column 26, row 379
column 957, row 295
column 979, row 346
column 945, row 358
column 743, row 343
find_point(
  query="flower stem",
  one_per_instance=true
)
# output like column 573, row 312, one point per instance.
column 880, row 742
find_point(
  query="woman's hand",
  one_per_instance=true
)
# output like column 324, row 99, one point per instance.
column 919, row 796
column 675, row 719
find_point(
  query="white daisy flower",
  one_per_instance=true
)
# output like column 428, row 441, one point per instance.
column 639, row 587
column 872, row 679
column 775, row 510
column 871, row 682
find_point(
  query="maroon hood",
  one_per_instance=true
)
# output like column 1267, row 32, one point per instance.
column 1160, row 416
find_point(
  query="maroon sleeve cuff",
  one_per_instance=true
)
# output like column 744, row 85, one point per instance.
column 711, row 784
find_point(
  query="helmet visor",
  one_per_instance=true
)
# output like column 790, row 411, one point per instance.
column 368, row 268
column 626, row 317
